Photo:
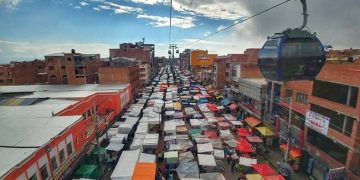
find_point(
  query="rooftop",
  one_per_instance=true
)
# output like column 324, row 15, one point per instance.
column 30, row 126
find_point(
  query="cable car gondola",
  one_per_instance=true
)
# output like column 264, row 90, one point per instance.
column 294, row 54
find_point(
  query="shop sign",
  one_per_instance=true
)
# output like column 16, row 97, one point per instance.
column 317, row 122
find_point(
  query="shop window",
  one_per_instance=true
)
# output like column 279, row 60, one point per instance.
column 44, row 173
column 62, row 155
column 53, row 162
column 301, row 97
column 69, row 148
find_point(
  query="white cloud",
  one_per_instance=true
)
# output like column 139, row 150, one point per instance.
column 105, row 7
column 220, row 28
column 207, row 33
column 28, row 50
column 77, row 7
column 151, row 2
column 96, row 9
column 159, row 21
column 10, row 4
column 83, row 3
column 120, row 9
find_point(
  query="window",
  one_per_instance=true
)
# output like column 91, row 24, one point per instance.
column 9, row 80
column 338, row 121
column 337, row 151
column 54, row 164
column 69, row 148
column 63, row 67
column 44, row 172
column 227, row 74
column 339, row 93
column 227, row 65
column 301, row 97
column 68, row 59
column 51, row 68
column 288, row 95
column 62, row 155
column 33, row 177
column 1, row 80
column 53, row 77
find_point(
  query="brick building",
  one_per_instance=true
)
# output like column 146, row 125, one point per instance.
column 184, row 60
column 19, row 73
column 120, row 70
column 72, row 68
column 144, row 55
column 333, row 98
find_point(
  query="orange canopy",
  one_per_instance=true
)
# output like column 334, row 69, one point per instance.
column 144, row 171
column 294, row 152
column 274, row 177
column 252, row 121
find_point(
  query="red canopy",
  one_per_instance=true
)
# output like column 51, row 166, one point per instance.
column 243, row 132
column 212, row 107
column 211, row 134
column 264, row 169
column 274, row 177
column 244, row 146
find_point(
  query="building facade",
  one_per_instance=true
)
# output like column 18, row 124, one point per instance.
column 19, row 73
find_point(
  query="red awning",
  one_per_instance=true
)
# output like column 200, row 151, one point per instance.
column 243, row 132
column 294, row 152
column 211, row 134
column 252, row 121
column 244, row 146
column 212, row 107
column 274, row 177
column 264, row 169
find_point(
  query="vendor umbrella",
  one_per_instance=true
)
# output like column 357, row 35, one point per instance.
column 243, row 132
column 264, row 169
column 244, row 146
column 212, row 107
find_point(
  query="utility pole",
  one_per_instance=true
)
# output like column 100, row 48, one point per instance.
column 289, row 131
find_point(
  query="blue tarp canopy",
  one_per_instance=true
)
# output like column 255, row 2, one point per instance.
column 226, row 102
column 203, row 101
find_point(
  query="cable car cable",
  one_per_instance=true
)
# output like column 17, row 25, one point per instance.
column 183, row 22
column 243, row 20
column 170, row 22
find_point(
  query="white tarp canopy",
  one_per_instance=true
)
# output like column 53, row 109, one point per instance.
column 216, row 143
column 212, row 176
column 186, row 156
column 229, row 117
column 196, row 122
column 226, row 134
column 117, row 140
column 219, row 154
column 112, row 132
column 183, row 145
column 115, row 147
column 170, row 127
column 201, row 139
column 206, row 160
column 137, row 141
column 205, row 148
column 247, row 161
column 148, row 158
column 236, row 123
column 142, row 128
column 231, row 142
column 151, row 140
column 188, row 170
column 125, row 167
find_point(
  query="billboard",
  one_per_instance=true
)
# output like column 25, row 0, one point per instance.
column 202, row 58
column 317, row 122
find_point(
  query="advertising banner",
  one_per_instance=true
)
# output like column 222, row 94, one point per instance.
column 202, row 58
column 317, row 122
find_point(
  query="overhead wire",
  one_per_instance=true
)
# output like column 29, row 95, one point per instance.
column 170, row 22
column 232, row 25
column 183, row 22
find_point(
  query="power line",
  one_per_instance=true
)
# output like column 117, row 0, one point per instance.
column 243, row 20
column 170, row 21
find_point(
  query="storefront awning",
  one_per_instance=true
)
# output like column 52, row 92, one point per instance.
column 265, row 131
column 294, row 152
column 264, row 169
column 253, row 177
column 252, row 121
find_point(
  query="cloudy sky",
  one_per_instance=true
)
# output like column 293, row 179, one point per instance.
column 33, row 28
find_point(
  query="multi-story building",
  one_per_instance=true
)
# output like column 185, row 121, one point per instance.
column 27, row 72
column 324, row 117
column 120, row 70
column 47, row 131
column 219, row 78
column 184, row 60
column 72, row 68
column 144, row 55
